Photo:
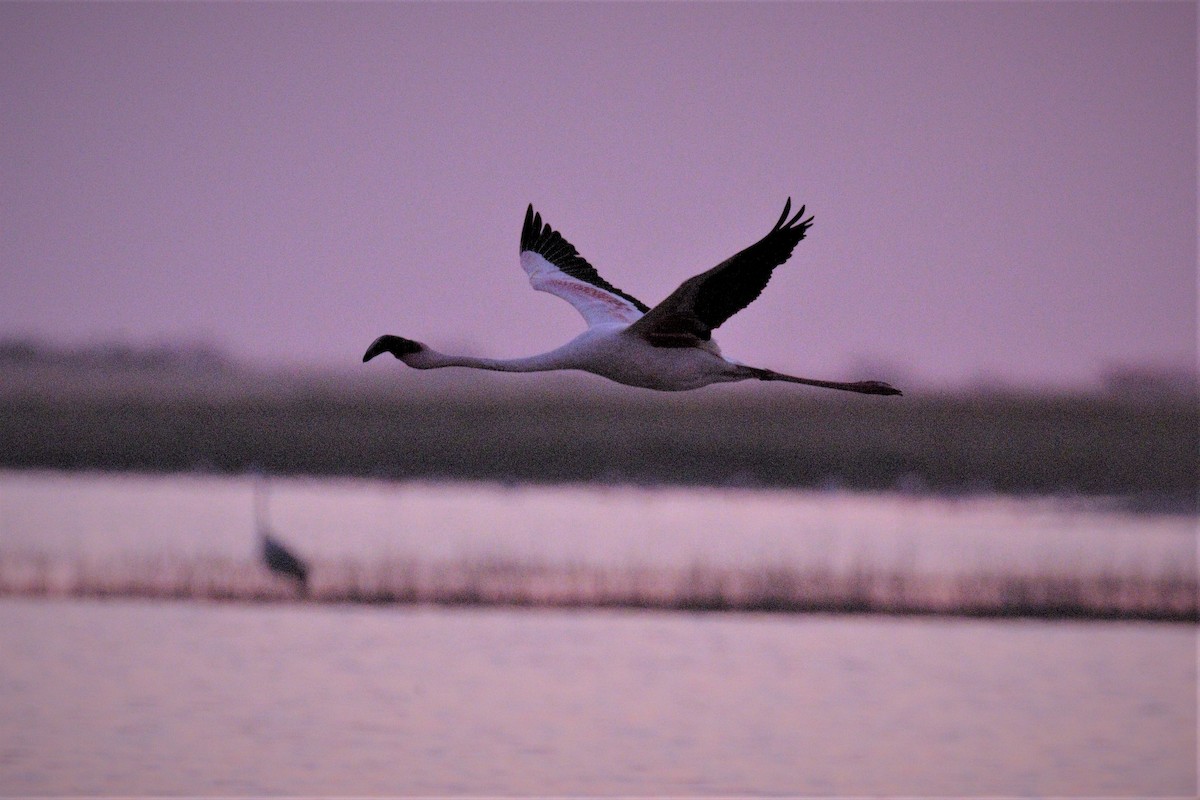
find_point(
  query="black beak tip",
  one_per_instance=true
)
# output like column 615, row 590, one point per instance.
column 384, row 344
column 396, row 345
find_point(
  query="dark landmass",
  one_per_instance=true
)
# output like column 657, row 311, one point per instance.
column 1138, row 441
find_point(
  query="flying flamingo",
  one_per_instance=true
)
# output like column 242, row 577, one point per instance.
column 668, row 347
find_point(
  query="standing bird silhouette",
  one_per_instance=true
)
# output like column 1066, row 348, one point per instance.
column 668, row 347
column 275, row 555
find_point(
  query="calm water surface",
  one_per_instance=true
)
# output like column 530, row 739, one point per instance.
column 147, row 698
column 175, row 698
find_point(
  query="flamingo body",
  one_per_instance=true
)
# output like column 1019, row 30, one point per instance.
column 668, row 347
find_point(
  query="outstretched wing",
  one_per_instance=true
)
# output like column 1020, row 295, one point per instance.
column 555, row 266
column 698, row 307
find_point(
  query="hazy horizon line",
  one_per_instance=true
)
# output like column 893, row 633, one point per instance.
column 1167, row 375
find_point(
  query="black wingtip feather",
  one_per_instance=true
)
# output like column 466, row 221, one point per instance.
column 786, row 208
column 787, row 223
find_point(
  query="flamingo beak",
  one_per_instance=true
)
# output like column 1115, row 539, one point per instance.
column 396, row 345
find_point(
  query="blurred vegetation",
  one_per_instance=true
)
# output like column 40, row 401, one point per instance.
column 199, row 413
column 1169, row 596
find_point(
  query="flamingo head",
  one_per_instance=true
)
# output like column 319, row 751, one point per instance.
column 398, row 346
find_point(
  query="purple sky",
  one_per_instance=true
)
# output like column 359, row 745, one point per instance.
column 1002, row 191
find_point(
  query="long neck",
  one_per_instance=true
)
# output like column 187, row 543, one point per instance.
column 432, row 359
